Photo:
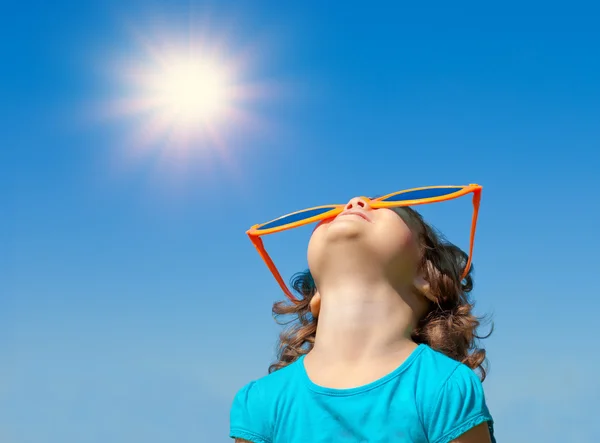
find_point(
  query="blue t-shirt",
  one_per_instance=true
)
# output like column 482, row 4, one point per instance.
column 430, row 398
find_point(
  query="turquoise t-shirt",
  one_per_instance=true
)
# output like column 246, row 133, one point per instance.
column 430, row 398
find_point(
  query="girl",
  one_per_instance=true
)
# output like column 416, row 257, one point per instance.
column 384, row 349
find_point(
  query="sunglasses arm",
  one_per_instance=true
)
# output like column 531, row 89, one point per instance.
column 476, row 201
column 258, row 244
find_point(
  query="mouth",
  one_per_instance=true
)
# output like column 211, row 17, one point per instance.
column 356, row 213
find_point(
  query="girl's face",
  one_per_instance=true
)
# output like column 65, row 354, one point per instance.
column 376, row 241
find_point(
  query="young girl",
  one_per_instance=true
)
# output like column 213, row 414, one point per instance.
column 384, row 348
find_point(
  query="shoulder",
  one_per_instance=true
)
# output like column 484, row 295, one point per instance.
column 437, row 363
column 260, row 392
column 452, row 398
column 435, row 370
column 253, row 411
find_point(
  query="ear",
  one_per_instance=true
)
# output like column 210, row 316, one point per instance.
column 315, row 304
column 424, row 288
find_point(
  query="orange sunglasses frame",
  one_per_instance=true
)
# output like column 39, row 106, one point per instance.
column 255, row 233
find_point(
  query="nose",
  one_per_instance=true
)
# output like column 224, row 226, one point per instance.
column 359, row 203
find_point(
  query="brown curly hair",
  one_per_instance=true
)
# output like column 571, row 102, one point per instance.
column 449, row 326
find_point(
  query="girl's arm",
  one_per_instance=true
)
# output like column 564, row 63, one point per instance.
column 478, row 434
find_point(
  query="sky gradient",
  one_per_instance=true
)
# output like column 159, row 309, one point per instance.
column 132, row 305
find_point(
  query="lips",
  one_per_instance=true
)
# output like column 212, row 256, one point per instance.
column 357, row 213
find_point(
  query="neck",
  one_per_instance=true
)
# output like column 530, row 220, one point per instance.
column 363, row 322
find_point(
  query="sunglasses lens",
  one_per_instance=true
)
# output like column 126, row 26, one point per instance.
column 297, row 216
column 421, row 194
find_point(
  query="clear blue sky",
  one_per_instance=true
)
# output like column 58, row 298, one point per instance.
column 132, row 306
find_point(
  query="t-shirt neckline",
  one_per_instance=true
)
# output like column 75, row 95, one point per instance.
column 359, row 389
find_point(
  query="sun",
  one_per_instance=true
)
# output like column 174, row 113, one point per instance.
column 190, row 91
column 184, row 95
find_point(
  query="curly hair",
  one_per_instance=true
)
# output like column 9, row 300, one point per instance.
column 449, row 326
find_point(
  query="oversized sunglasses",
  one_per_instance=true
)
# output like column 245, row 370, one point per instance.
column 408, row 197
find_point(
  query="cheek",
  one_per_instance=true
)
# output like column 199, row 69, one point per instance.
column 399, row 243
column 315, row 245
column 407, row 240
column 321, row 223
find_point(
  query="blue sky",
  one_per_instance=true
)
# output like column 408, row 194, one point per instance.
column 132, row 306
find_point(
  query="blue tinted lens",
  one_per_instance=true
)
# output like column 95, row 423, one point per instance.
column 422, row 194
column 302, row 215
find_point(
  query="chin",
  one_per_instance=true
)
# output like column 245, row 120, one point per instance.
column 336, row 241
column 344, row 229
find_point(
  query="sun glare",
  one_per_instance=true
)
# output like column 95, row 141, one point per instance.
column 185, row 95
column 191, row 92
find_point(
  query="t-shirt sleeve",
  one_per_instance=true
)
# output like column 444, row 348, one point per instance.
column 248, row 416
column 459, row 407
